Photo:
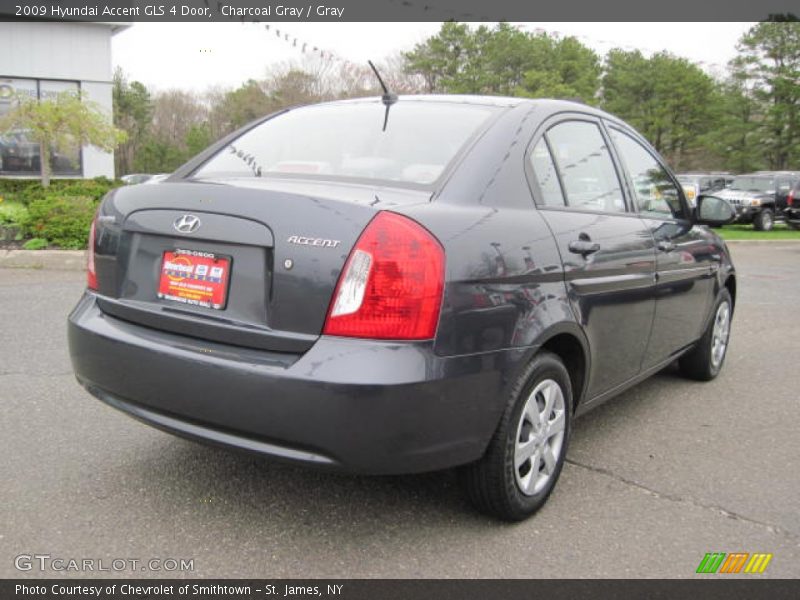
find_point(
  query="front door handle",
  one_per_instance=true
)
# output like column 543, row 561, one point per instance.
column 583, row 247
column 665, row 246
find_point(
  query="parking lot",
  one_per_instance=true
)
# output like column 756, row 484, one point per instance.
column 656, row 478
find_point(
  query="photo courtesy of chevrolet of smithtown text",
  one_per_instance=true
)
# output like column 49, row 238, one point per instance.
column 393, row 299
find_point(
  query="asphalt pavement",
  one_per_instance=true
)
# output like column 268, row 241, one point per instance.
column 655, row 479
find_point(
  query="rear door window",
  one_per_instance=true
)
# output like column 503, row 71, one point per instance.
column 584, row 163
column 544, row 171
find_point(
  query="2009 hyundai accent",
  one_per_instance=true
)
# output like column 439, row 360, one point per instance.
column 398, row 287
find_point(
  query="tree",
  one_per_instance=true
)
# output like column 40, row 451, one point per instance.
column 133, row 112
column 671, row 101
column 159, row 156
column 734, row 138
column 440, row 58
column 198, row 138
column 179, row 128
column 562, row 68
column 292, row 88
column 768, row 62
column 392, row 69
column 65, row 118
column 240, row 106
column 175, row 112
column 505, row 60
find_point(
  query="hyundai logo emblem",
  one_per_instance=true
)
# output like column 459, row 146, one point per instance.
column 187, row 224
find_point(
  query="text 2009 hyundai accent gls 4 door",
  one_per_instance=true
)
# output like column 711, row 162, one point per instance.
column 449, row 289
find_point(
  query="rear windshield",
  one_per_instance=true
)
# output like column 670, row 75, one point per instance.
column 753, row 184
column 348, row 140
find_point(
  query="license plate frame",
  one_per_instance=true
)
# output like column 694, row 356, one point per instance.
column 194, row 278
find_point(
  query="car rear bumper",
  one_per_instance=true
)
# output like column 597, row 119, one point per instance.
column 354, row 405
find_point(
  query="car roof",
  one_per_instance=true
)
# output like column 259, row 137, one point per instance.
column 438, row 98
column 549, row 106
column 478, row 100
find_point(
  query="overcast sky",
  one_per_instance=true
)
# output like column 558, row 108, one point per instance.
column 198, row 55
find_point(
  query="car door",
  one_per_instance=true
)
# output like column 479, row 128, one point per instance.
column 606, row 250
column 686, row 260
column 782, row 188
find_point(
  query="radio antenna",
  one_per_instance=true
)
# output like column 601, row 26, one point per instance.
column 388, row 98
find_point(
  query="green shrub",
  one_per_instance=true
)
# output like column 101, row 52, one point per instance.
column 13, row 186
column 12, row 214
column 13, row 217
column 63, row 220
column 27, row 191
column 35, row 244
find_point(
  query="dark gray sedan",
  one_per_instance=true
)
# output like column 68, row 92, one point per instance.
column 445, row 281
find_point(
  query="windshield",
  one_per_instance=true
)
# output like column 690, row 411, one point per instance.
column 348, row 140
column 753, row 184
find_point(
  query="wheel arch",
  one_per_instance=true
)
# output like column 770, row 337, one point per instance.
column 571, row 347
column 730, row 285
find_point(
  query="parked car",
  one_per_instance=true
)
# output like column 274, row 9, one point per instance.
column 379, row 286
column 697, row 183
column 760, row 198
column 792, row 211
column 135, row 178
column 18, row 152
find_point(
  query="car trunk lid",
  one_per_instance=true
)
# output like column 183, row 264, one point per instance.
column 278, row 247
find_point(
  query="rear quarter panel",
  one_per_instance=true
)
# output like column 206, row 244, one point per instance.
column 504, row 278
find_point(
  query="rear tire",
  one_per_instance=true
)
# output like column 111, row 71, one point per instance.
column 705, row 360
column 525, row 456
column 795, row 226
column 764, row 220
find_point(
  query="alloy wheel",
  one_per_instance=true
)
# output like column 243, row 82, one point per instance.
column 540, row 437
column 720, row 333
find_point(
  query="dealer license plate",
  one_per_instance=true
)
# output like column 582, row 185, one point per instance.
column 195, row 278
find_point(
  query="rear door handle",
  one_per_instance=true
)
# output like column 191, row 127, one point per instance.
column 583, row 247
column 665, row 246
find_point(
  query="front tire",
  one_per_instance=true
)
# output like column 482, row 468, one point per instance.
column 705, row 360
column 525, row 456
column 765, row 220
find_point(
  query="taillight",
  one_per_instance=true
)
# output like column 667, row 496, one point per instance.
column 790, row 199
column 91, row 274
column 391, row 285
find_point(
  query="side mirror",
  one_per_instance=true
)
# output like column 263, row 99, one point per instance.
column 713, row 210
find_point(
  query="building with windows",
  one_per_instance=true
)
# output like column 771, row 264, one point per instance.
column 41, row 58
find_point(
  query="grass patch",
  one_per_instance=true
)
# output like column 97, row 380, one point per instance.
column 781, row 231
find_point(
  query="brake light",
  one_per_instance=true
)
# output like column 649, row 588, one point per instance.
column 91, row 274
column 790, row 199
column 391, row 285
